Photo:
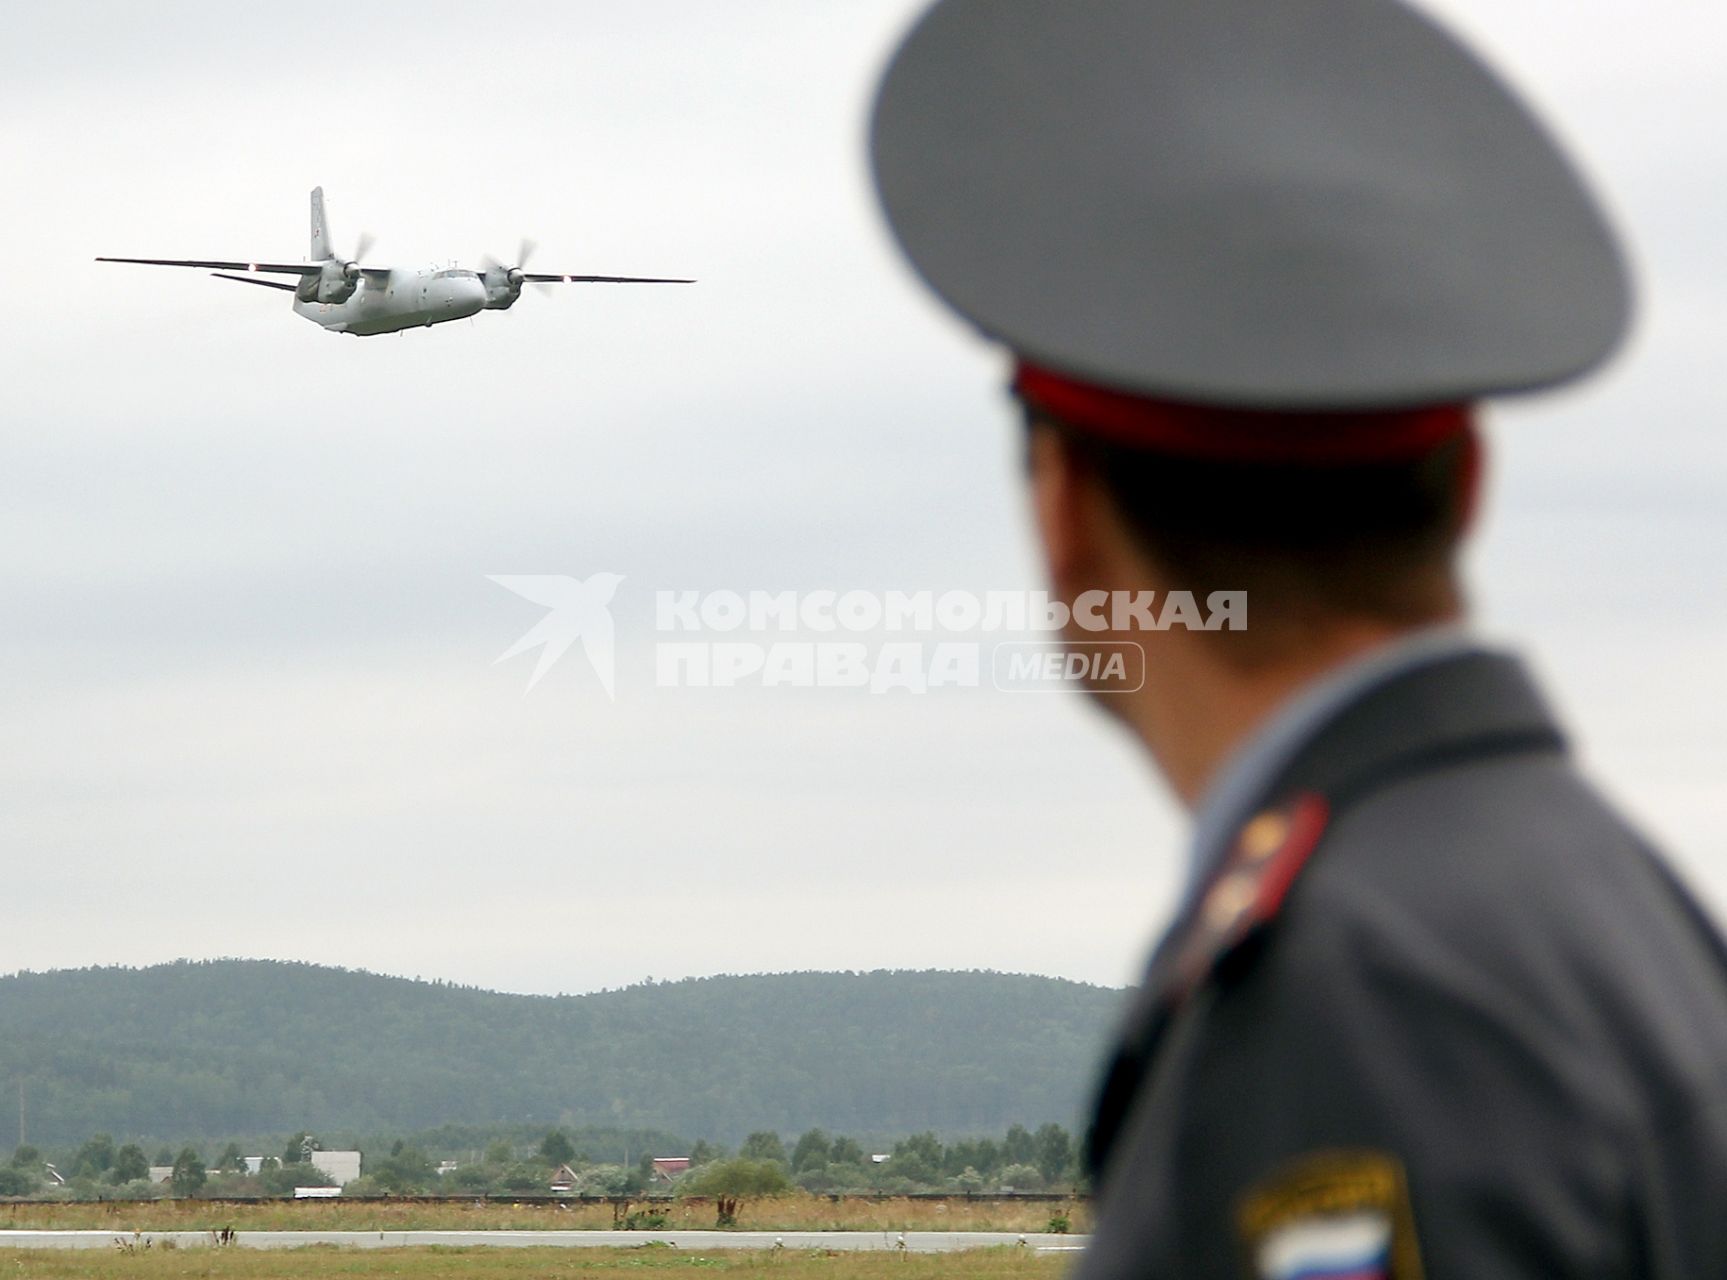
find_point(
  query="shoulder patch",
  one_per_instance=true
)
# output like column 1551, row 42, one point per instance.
column 1331, row 1215
column 1269, row 852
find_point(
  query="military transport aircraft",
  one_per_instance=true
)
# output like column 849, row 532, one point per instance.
column 345, row 297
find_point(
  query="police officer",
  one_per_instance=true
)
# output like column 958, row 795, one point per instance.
column 1430, row 1006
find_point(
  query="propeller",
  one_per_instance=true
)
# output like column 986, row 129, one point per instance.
column 351, row 268
column 338, row 278
column 514, row 274
column 508, row 279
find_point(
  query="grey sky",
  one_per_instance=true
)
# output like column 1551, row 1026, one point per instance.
column 248, row 705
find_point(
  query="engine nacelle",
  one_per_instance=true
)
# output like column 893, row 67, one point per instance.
column 503, row 287
column 336, row 282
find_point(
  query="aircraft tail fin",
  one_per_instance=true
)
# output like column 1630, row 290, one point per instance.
column 321, row 248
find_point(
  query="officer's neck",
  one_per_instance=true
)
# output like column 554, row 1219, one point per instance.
column 1199, row 704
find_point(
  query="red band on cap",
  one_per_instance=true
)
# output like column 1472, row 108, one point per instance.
column 1241, row 435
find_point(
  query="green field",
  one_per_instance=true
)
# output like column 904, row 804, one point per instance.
column 324, row 1262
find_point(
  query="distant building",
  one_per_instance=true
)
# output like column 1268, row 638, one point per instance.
column 343, row 1166
column 447, row 1166
column 669, row 1168
column 161, row 1173
column 316, row 1193
column 883, row 1158
column 254, row 1164
column 563, row 1180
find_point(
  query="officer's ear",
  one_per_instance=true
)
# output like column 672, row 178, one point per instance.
column 1082, row 535
column 1470, row 480
column 1053, row 470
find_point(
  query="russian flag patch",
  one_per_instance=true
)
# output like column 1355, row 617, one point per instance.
column 1331, row 1215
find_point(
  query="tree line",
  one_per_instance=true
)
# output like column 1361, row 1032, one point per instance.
column 100, row 1168
column 580, row 1162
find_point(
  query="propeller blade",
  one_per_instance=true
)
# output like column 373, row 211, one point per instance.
column 364, row 246
column 525, row 252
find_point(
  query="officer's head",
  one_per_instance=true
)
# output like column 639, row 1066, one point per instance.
column 1367, row 546
column 1255, row 264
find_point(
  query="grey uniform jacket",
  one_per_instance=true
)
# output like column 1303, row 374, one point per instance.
column 1441, row 1013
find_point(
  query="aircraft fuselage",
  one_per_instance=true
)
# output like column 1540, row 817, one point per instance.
column 384, row 302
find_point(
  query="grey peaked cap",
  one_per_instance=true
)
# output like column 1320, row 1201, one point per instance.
column 1282, row 204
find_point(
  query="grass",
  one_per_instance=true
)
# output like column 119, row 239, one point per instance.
column 327, row 1263
column 778, row 1213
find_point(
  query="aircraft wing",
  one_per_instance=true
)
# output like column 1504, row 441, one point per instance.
column 544, row 278
column 285, row 268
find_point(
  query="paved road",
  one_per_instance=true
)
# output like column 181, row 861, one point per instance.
column 911, row 1241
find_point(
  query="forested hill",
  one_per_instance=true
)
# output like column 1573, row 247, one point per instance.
column 249, row 1046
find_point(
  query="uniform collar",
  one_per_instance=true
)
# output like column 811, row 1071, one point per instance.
column 1242, row 783
column 1432, row 701
column 1434, row 709
column 1469, row 706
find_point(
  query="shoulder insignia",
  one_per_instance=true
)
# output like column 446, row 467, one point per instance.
column 1269, row 852
column 1331, row 1215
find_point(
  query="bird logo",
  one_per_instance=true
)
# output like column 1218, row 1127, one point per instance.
column 579, row 611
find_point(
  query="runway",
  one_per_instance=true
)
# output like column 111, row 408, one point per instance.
column 695, row 1241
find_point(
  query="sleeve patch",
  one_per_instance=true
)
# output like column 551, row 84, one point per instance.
column 1331, row 1215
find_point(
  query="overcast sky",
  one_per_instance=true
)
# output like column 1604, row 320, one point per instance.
column 249, row 705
